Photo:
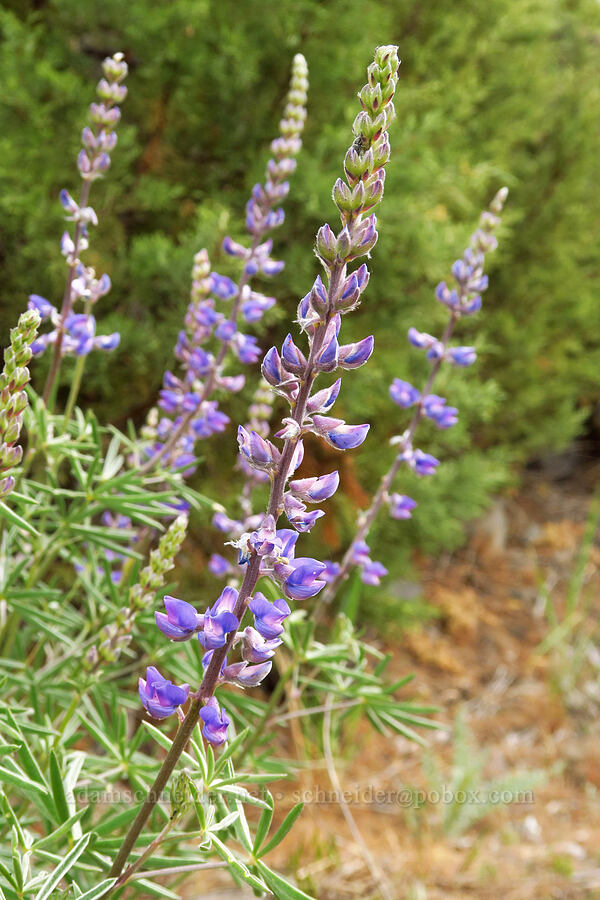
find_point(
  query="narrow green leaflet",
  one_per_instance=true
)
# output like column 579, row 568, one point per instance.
column 282, row 889
column 281, row 832
column 65, row 866
column 96, row 892
column 11, row 516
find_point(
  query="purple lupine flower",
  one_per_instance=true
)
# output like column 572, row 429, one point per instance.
column 292, row 357
column 373, row 572
column 421, row 339
column 215, row 721
column 322, row 401
column 259, row 453
column 225, row 330
column 423, row 463
column 181, row 620
column 245, row 675
column 435, row 409
column 71, row 333
column 219, row 566
column 361, row 553
column 352, row 356
column 272, row 550
column 246, row 348
column 268, row 616
column 219, row 620
column 222, row 286
column 255, row 305
column 338, row 434
column 315, row 489
column 159, row 696
column 255, row 648
column 43, row 306
column 403, row 393
column 298, row 515
column 264, row 540
column 300, row 577
column 331, row 571
column 401, row 506
column 222, row 522
column 461, row 356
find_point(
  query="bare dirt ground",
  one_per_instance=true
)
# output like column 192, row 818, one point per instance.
column 526, row 710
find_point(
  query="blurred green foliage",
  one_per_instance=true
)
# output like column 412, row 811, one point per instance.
column 506, row 91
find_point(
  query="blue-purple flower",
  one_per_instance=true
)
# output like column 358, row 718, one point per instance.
column 256, row 648
column 245, row 675
column 300, row 578
column 435, row 408
column 338, row 434
column 401, row 506
column 159, row 696
column 215, row 721
column 219, row 620
column 461, row 356
column 373, row 572
column 268, row 617
column 403, row 393
column 315, row 489
column 260, row 454
column 219, row 566
column 422, row 463
column 181, row 620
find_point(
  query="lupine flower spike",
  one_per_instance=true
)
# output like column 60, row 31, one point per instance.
column 13, row 399
column 269, row 550
column 75, row 333
column 212, row 334
column 117, row 635
column 461, row 298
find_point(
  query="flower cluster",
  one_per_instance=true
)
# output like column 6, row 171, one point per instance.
column 187, row 410
column 75, row 333
column 461, row 298
column 13, row 399
column 258, row 643
column 79, row 330
column 269, row 550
